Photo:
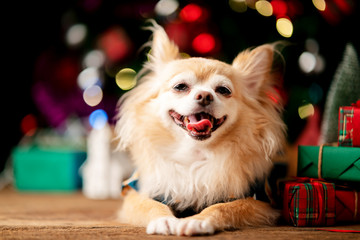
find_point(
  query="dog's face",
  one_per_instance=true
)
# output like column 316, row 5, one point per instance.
column 197, row 97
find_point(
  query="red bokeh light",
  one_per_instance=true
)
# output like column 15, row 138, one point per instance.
column 116, row 44
column 191, row 13
column 204, row 43
column 179, row 33
column 28, row 125
column 279, row 8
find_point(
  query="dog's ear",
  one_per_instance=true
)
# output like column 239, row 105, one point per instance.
column 163, row 50
column 255, row 66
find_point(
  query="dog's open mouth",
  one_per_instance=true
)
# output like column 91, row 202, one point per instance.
column 199, row 125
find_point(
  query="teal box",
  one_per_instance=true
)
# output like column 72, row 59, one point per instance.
column 37, row 169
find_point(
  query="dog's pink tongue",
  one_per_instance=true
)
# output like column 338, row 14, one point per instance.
column 198, row 125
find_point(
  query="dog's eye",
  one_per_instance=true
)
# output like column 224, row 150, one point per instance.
column 223, row 91
column 181, row 87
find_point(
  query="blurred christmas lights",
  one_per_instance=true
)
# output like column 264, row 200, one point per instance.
column 310, row 61
column 116, row 44
column 204, row 43
column 76, row 34
column 126, row 79
column 88, row 77
column 89, row 80
column 307, row 62
column 191, row 13
column 166, row 7
column 284, row 27
column 94, row 58
column 319, row 4
column 238, row 5
column 93, row 95
column 279, row 8
column 98, row 119
column 306, row 110
column 28, row 125
column 264, row 8
column 312, row 45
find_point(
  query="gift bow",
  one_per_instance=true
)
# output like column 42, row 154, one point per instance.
column 357, row 104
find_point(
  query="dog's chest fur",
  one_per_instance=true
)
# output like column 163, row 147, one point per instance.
column 195, row 176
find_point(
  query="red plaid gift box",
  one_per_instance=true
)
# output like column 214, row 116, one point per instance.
column 309, row 203
column 313, row 202
column 349, row 125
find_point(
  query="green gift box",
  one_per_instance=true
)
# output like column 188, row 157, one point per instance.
column 37, row 169
column 328, row 162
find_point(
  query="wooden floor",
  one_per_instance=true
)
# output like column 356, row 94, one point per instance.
column 72, row 216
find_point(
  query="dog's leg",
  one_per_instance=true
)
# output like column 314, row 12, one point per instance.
column 232, row 215
column 142, row 211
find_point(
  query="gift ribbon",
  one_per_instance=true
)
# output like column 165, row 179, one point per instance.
column 356, row 205
column 320, row 157
column 338, row 230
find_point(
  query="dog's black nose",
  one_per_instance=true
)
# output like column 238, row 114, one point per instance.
column 204, row 98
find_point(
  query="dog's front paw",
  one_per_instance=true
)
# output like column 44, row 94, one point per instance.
column 163, row 225
column 190, row 227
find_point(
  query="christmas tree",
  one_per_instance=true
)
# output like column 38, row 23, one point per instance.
column 344, row 90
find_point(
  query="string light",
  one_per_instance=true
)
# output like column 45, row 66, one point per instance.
column 279, row 8
column 93, row 95
column 166, row 7
column 319, row 4
column 310, row 61
column 284, row 27
column 191, row 13
column 126, row 79
column 264, row 8
column 76, row 34
column 28, row 125
column 307, row 62
column 94, row 58
column 238, row 5
column 306, row 110
column 98, row 119
column 88, row 77
column 204, row 43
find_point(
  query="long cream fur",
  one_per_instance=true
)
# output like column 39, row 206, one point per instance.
column 191, row 173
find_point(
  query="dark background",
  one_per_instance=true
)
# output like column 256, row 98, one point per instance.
column 33, row 50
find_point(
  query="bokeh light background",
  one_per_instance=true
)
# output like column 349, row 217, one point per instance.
column 74, row 59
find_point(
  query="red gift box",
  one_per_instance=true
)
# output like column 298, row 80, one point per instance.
column 347, row 205
column 349, row 125
column 309, row 203
column 313, row 202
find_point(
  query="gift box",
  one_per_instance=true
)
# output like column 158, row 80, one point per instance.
column 42, row 169
column 328, row 162
column 313, row 202
column 349, row 125
column 309, row 204
column 347, row 204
